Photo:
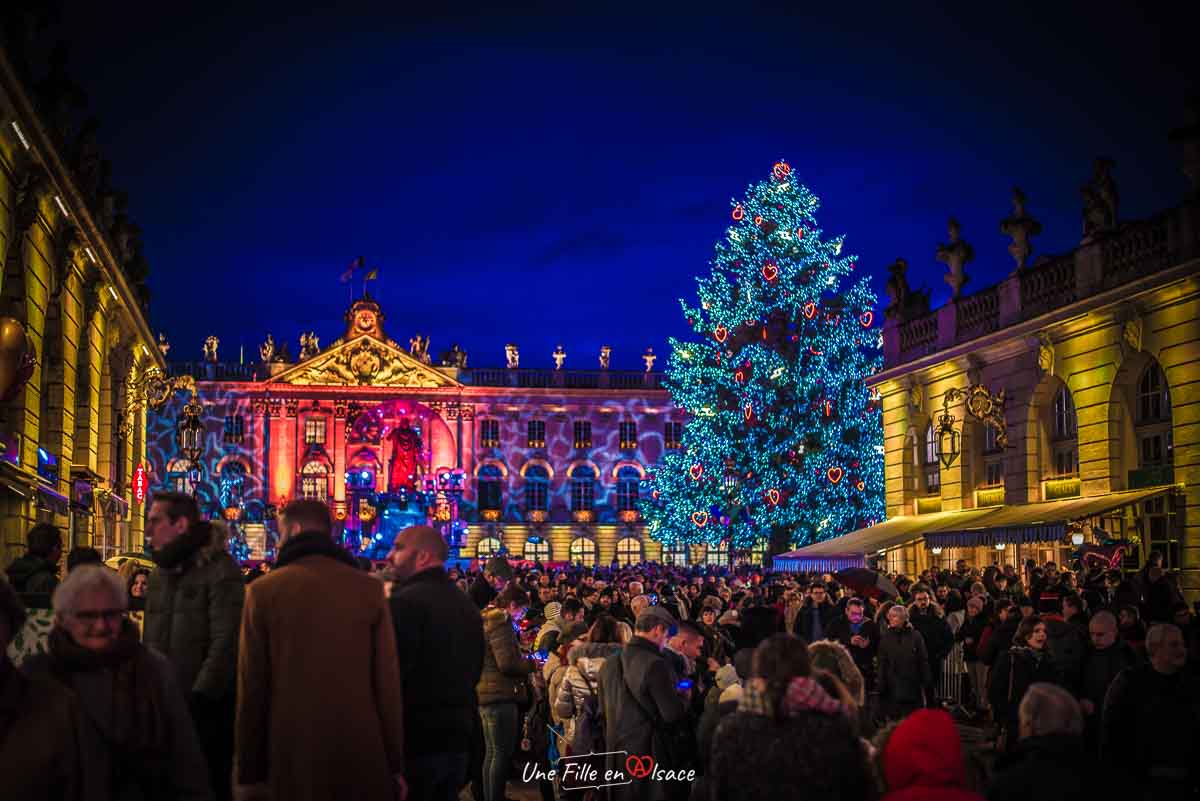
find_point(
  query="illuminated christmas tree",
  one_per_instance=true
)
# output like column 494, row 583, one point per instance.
column 782, row 434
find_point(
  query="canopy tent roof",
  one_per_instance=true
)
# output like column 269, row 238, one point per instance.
column 1017, row 523
column 1035, row 522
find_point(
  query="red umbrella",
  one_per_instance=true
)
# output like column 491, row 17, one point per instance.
column 867, row 582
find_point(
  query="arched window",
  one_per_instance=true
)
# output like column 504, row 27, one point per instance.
column 717, row 554
column 627, row 489
column 489, row 488
column 1154, row 399
column 629, row 551
column 180, row 476
column 1153, row 419
column 537, row 489
column 583, row 551
column 932, row 471
column 676, row 554
column 583, row 489
column 314, row 481
column 487, row 548
column 1064, row 414
column 537, row 550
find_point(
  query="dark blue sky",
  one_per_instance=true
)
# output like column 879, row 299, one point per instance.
column 540, row 177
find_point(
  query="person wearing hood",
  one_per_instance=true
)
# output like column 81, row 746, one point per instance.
column 788, row 732
column 903, row 665
column 193, row 614
column 37, row 571
column 1050, row 762
column 921, row 759
column 579, row 682
column 1028, row 661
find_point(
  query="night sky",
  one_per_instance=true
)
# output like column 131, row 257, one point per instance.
column 537, row 177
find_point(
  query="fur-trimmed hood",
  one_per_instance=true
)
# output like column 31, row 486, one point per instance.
column 835, row 657
column 592, row 650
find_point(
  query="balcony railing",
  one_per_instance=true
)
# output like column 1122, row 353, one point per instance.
column 918, row 337
column 1047, row 286
column 979, row 314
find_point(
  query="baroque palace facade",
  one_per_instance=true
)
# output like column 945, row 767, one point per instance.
column 74, row 342
column 1054, row 414
column 537, row 464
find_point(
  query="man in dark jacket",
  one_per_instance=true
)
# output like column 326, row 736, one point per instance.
column 1049, row 763
column 860, row 635
column 193, row 617
column 1106, row 657
column 36, row 572
column 903, row 666
column 640, row 695
column 1008, row 617
column 814, row 618
column 496, row 575
column 1150, row 714
column 927, row 618
column 438, row 634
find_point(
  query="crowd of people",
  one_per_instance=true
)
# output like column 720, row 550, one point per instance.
column 322, row 680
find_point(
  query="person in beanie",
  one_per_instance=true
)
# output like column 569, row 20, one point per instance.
column 193, row 611
column 320, row 710
column 438, row 634
column 921, row 759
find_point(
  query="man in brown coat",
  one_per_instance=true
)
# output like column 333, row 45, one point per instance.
column 320, row 711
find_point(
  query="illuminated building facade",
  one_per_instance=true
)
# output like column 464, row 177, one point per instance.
column 548, row 461
column 75, row 347
column 1097, row 354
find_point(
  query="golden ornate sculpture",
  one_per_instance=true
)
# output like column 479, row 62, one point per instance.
column 367, row 362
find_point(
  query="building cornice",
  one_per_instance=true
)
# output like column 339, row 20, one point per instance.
column 43, row 147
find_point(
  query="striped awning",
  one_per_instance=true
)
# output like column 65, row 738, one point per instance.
column 790, row 563
column 1035, row 522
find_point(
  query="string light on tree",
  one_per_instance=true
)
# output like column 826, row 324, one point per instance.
column 775, row 380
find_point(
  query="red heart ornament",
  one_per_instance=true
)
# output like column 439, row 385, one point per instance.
column 748, row 411
column 810, row 310
column 866, row 319
column 861, row 485
column 773, row 496
column 695, row 471
column 721, row 333
column 738, row 212
column 770, row 271
column 834, row 474
column 639, row 767
column 700, row 518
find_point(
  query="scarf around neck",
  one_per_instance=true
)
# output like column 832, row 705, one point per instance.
column 803, row 695
column 179, row 550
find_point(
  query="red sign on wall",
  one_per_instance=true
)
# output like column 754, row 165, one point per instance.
column 139, row 483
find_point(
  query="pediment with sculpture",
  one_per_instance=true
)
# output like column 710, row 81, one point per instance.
column 364, row 361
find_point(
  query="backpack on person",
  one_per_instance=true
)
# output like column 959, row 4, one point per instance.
column 589, row 723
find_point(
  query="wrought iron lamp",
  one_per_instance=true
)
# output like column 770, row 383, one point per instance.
column 983, row 406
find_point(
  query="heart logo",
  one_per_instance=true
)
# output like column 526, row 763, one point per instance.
column 700, row 519
column 866, row 319
column 639, row 767
column 770, row 271
column 721, row 333
column 773, row 496
column 834, row 474
column 810, row 310
column 748, row 410
column 695, row 471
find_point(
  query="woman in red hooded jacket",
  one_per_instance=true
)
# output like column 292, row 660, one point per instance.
column 922, row 760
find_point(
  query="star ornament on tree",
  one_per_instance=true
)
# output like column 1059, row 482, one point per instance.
column 776, row 389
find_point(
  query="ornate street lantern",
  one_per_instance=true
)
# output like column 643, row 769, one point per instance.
column 947, row 440
column 189, row 436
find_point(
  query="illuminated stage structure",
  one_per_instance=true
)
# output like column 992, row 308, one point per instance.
column 535, row 463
